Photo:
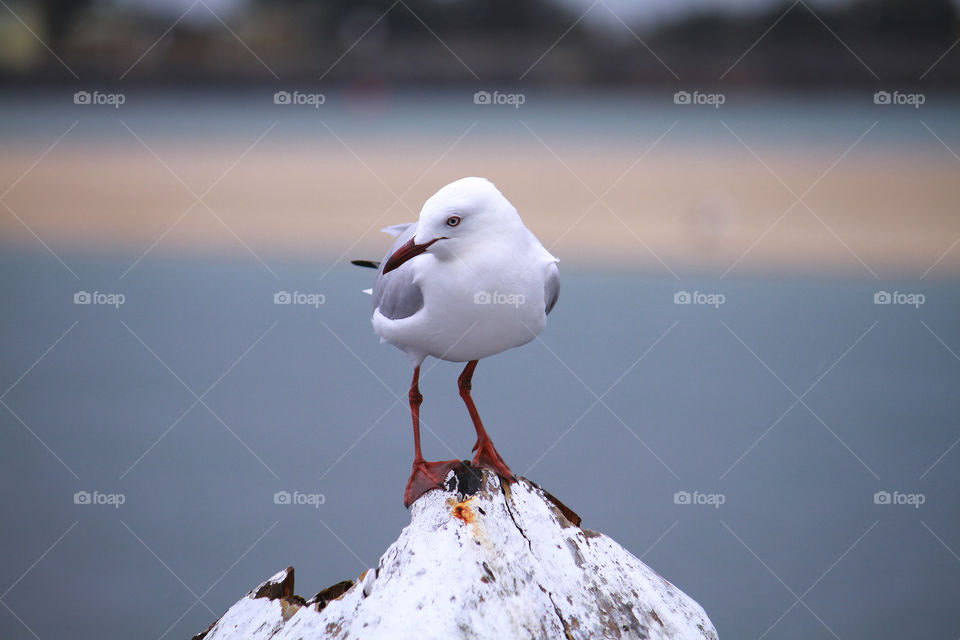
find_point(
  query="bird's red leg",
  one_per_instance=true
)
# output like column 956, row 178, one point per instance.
column 487, row 455
column 425, row 475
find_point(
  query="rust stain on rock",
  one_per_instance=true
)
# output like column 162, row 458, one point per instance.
column 467, row 512
column 464, row 511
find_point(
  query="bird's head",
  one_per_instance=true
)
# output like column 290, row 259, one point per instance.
column 461, row 217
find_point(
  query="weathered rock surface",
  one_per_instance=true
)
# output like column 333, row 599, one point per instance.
column 481, row 560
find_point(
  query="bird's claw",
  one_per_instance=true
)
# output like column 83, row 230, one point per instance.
column 426, row 476
column 488, row 457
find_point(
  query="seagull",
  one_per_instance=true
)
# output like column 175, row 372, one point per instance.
column 466, row 281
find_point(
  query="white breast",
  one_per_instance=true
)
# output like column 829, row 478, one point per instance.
column 474, row 305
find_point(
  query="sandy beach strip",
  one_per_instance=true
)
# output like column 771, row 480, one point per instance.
column 673, row 212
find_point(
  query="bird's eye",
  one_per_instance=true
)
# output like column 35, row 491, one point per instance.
column 453, row 221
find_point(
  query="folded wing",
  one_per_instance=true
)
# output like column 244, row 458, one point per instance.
column 396, row 294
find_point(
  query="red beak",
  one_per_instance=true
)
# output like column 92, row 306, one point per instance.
column 409, row 250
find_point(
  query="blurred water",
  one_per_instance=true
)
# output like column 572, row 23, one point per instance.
column 805, row 120
column 305, row 399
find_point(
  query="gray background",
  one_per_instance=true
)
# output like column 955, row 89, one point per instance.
column 199, row 520
column 694, row 399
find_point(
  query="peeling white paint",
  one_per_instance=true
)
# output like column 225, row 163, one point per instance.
column 502, row 564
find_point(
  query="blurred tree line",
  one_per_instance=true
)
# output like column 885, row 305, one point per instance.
column 494, row 40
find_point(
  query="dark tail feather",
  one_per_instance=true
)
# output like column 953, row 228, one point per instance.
column 370, row 264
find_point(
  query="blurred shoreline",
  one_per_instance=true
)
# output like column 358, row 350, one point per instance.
column 685, row 189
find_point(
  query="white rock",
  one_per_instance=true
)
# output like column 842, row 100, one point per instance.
column 501, row 563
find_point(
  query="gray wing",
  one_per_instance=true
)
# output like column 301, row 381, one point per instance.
column 396, row 294
column 551, row 288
